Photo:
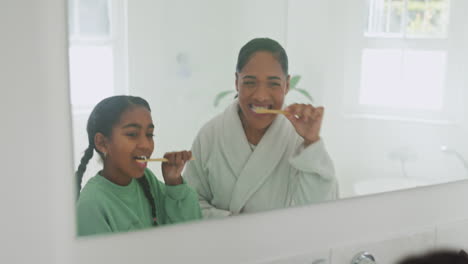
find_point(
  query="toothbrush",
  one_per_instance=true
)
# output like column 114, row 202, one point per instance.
column 270, row 111
column 158, row 159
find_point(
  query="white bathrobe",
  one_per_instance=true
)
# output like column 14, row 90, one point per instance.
column 231, row 178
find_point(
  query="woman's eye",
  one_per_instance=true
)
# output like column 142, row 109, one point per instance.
column 249, row 83
column 274, row 84
column 150, row 135
column 132, row 134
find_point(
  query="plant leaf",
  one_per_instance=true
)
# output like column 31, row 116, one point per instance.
column 293, row 82
column 305, row 93
column 220, row 96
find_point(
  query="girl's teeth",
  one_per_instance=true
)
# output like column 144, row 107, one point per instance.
column 258, row 107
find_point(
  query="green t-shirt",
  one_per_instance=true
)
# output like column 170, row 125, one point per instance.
column 105, row 207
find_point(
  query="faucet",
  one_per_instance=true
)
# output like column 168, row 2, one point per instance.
column 457, row 154
column 363, row 258
column 402, row 155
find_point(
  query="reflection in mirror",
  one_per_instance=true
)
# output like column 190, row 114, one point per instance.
column 388, row 72
column 125, row 195
column 255, row 156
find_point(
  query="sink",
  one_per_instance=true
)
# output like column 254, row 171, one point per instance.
column 378, row 185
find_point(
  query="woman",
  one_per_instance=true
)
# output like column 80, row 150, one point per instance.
column 126, row 195
column 249, row 162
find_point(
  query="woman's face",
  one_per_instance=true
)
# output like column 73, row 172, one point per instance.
column 261, row 84
column 131, row 138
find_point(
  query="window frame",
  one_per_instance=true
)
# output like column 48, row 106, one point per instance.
column 116, row 40
column 358, row 41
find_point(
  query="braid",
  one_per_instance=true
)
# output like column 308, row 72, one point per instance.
column 146, row 189
column 82, row 167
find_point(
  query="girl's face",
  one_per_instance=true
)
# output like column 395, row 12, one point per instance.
column 131, row 138
column 261, row 84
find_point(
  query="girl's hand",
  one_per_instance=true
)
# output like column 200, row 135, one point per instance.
column 307, row 120
column 172, row 169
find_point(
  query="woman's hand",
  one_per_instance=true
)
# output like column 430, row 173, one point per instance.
column 307, row 120
column 172, row 169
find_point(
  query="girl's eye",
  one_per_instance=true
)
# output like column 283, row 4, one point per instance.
column 249, row 83
column 150, row 135
column 274, row 84
column 132, row 134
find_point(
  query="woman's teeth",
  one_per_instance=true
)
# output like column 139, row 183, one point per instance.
column 254, row 107
column 141, row 158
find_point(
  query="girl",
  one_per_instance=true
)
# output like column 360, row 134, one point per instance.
column 125, row 195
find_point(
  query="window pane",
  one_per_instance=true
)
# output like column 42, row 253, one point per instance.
column 396, row 15
column 71, row 18
column 440, row 15
column 380, row 77
column 385, row 16
column 424, row 18
column 375, row 23
column 404, row 79
column 91, row 74
column 424, row 79
column 94, row 17
column 427, row 17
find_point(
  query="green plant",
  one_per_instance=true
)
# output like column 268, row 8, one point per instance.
column 292, row 87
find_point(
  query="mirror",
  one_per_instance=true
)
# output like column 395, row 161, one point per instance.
column 390, row 74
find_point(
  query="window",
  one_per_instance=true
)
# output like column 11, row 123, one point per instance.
column 97, row 51
column 408, row 18
column 97, row 63
column 404, row 61
column 403, row 79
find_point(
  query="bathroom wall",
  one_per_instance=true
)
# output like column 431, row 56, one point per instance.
column 37, row 224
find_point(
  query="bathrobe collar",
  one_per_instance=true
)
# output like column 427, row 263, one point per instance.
column 251, row 168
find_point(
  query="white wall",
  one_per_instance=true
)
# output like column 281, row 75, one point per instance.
column 37, row 219
column 36, row 160
column 209, row 33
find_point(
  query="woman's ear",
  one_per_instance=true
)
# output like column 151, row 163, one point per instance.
column 100, row 141
column 237, row 80
column 288, row 79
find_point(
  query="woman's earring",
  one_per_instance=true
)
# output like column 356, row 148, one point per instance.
column 105, row 155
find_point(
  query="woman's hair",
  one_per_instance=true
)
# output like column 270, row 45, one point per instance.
column 105, row 115
column 262, row 44
column 438, row 257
